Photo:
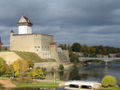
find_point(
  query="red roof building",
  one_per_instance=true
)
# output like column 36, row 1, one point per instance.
column 1, row 42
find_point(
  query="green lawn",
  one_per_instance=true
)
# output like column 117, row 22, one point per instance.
column 32, row 56
column 40, row 84
column 111, row 88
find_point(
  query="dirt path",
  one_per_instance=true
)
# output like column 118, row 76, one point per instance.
column 7, row 84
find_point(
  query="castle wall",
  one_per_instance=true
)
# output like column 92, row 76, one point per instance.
column 38, row 43
column 22, row 43
column 54, row 53
column 42, row 45
column 63, row 55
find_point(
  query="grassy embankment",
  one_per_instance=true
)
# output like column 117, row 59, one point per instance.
column 1, row 59
column 40, row 84
column 32, row 56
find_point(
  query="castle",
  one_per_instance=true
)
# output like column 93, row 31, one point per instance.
column 42, row 44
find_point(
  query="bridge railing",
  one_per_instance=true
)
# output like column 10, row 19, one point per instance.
column 94, row 58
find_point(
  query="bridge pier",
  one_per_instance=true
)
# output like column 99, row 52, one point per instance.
column 106, row 63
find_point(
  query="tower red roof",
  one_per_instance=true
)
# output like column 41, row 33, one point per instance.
column 1, row 44
column 24, row 21
column 53, row 43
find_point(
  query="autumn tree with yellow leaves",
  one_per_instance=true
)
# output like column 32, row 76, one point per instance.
column 34, row 72
column 38, row 72
column 20, row 67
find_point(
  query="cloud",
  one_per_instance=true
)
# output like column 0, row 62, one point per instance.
column 92, row 22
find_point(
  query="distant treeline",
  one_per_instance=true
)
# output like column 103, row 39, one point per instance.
column 91, row 51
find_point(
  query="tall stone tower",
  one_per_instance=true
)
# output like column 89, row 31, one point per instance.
column 24, row 26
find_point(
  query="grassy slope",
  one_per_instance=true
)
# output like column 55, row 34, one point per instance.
column 32, row 56
column 40, row 84
column 2, row 59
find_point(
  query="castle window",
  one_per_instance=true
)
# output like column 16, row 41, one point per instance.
column 38, row 46
column 35, row 46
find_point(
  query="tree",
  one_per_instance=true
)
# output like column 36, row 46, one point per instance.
column 2, row 62
column 34, row 72
column 69, row 49
column 40, row 73
column 61, row 67
column 10, row 71
column 30, row 63
column 3, row 67
column 20, row 67
column 63, row 46
column 76, row 47
column 109, row 81
column 37, row 72
column 74, row 58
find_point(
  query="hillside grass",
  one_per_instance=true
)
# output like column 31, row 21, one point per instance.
column 32, row 56
column 1, row 59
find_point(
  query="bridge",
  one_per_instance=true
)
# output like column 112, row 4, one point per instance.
column 106, row 60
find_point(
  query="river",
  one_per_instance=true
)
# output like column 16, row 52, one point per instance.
column 90, row 72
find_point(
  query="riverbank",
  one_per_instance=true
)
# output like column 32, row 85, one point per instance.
column 6, row 84
column 36, row 83
column 41, row 84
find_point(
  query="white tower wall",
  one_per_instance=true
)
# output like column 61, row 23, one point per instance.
column 24, row 30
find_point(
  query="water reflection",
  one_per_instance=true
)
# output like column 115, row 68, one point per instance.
column 92, row 72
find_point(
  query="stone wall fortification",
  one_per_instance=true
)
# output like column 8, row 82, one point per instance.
column 40, row 44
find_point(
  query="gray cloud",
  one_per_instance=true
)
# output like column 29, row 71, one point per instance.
column 92, row 22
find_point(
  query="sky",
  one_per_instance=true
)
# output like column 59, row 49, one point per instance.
column 90, row 22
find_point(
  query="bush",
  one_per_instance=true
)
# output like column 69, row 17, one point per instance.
column 38, row 73
column 61, row 67
column 109, row 81
column 30, row 63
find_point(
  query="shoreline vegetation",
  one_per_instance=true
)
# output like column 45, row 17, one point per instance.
column 43, row 84
column 7, row 83
column 110, row 88
column 46, row 83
